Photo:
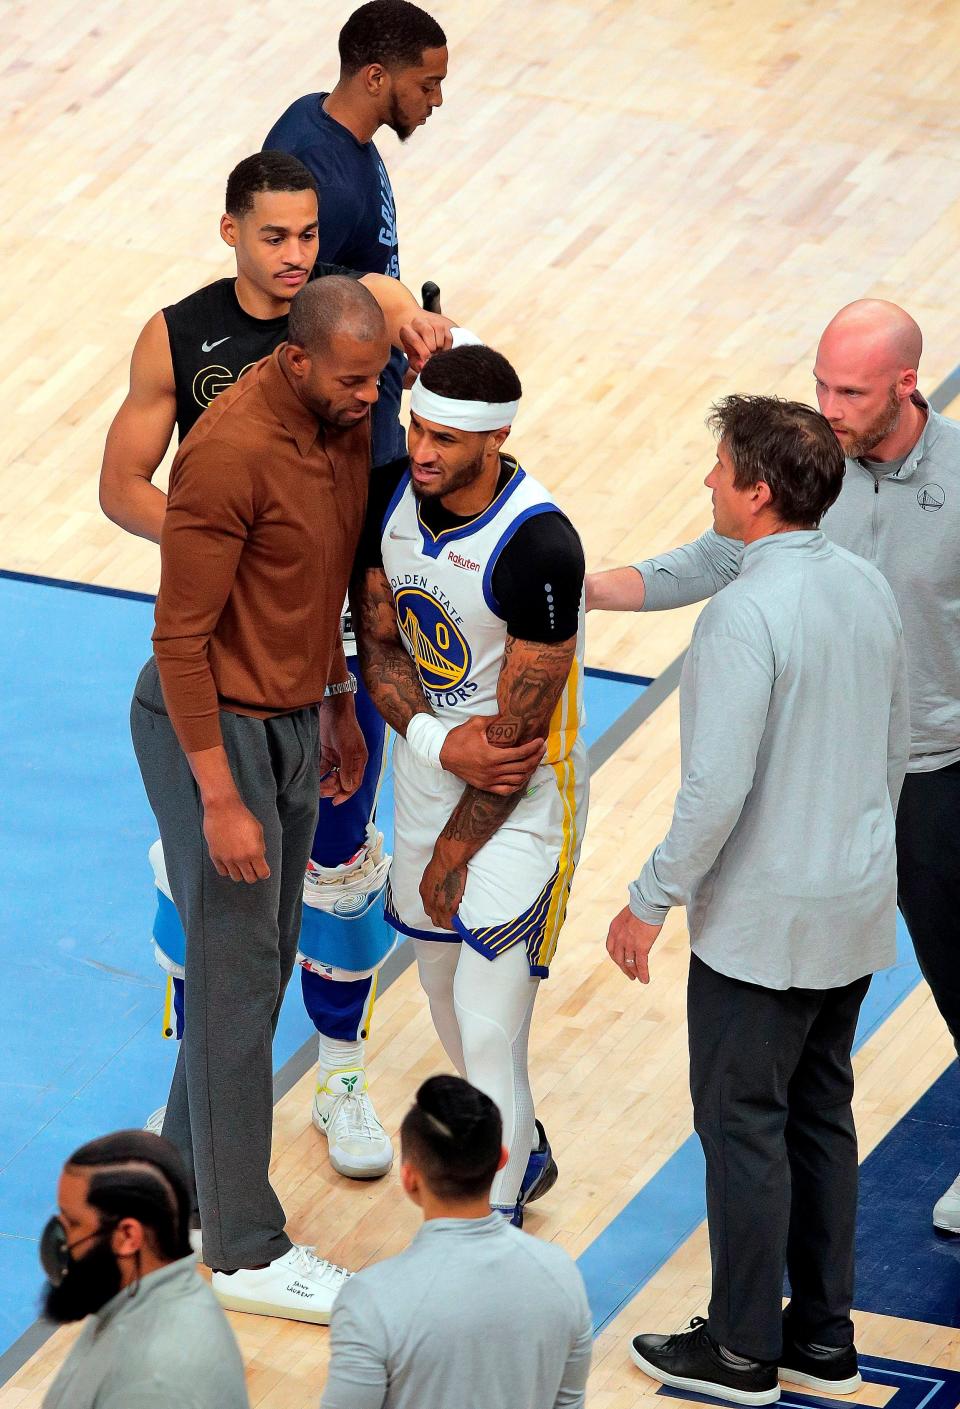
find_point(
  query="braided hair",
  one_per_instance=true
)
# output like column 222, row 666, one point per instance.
column 135, row 1174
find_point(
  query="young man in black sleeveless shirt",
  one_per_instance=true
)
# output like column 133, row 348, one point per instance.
column 185, row 356
column 190, row 351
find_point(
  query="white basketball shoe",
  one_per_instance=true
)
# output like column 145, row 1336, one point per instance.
column 360, row 1148
column 946, row 1211
column 300, row 1286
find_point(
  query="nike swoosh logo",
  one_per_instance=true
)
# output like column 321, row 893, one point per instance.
column 209, row 346
column 402, row 537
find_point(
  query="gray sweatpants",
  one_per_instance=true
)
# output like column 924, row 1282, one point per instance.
column 241, row 949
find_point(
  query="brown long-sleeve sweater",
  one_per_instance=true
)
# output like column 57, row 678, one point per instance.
column 264, row 513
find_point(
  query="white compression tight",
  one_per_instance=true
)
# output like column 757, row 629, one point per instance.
column 481, row 1010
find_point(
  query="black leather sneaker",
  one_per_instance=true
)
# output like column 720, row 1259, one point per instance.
column 692, row 1360
column 832, row 1371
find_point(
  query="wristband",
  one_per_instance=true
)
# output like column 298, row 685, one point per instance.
column 426, row 736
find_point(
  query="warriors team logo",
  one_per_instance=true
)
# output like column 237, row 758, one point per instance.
column 931, row 498
column 439, row 649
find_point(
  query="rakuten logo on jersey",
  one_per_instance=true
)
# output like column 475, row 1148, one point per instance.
column 467, row 563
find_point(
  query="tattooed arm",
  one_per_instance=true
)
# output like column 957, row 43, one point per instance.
column 389, row 672
column 531, row 682
column 390, row 675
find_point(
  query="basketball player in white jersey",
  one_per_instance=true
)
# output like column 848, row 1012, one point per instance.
column 470, row 614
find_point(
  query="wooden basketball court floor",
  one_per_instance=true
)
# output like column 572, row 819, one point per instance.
column 646, row 204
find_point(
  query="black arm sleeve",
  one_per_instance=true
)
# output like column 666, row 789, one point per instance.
column 383, row 485
column 538, row 579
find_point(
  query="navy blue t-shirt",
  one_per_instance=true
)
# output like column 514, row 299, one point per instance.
column 358, row 227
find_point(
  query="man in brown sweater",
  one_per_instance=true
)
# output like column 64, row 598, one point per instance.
column 244, row 713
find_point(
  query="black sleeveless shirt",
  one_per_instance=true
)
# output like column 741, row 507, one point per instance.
column 213, row 342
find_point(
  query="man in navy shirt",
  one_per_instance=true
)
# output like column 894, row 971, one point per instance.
column 393, row 59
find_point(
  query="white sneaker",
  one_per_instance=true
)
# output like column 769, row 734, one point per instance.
column 154, row 1122
column 946, row 1211
column 360, row 1148
column 300, row 1286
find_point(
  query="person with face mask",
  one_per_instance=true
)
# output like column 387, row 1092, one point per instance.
column 118, row 1252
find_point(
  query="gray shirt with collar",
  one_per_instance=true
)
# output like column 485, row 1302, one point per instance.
column 794, row 730
column 165, row 1343
column 473, row 1314
column 908, row 524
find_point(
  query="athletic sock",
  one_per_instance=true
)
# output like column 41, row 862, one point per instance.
column 334, row 1055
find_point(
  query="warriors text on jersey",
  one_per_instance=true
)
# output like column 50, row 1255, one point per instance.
column 455, row 629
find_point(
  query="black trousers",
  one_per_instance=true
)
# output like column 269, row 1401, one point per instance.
column 928, row 882
column 772, row 1083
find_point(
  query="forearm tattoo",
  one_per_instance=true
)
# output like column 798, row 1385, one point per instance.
column 531, row 682
column 388, row 671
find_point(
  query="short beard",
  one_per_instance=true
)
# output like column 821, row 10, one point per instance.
column 460, row 480
column 885, row 424
column 395, row 120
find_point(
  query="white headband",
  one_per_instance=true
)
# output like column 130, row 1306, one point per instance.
column 461, row 415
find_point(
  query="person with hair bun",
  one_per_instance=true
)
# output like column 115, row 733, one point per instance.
column 472, row 1301
column 118, row 1252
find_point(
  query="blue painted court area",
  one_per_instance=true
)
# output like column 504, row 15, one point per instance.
column 83, row 1052
column 904, row 1267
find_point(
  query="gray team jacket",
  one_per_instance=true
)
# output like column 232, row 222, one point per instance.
column 908, row 525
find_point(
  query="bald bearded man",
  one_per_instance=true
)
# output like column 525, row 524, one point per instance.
column 900, row 508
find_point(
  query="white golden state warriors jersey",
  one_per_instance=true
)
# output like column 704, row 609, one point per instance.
column 448, row 615
column 519, row 882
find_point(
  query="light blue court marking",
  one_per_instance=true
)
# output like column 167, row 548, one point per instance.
column 82, row 1047
column 648, row 1231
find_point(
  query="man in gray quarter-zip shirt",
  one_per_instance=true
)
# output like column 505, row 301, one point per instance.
column 794, row 728
column 900, row 509
column 117, row 1256
column 473, row 1313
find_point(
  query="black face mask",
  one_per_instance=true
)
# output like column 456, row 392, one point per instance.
column 77, row 1286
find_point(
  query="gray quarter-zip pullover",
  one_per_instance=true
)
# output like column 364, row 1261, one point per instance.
column 907, row 524
column 794, row 735
column 164, row 1342
column 473, row 1314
